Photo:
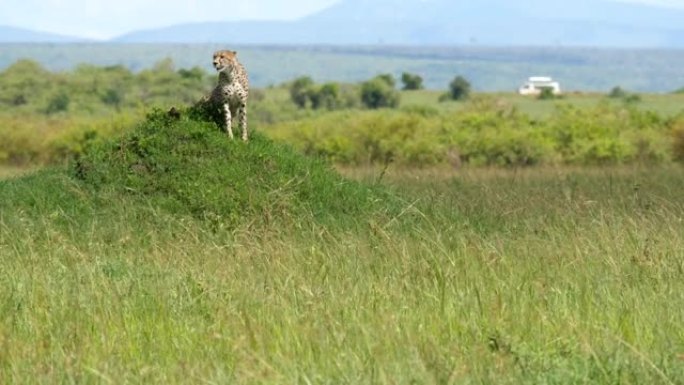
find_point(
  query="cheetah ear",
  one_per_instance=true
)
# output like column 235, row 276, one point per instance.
column 234, row 52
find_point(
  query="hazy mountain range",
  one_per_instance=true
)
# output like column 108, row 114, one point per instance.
column 600, row 23
column 21, row 35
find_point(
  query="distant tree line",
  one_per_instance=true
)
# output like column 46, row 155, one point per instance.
column 27, row 87
column 378, row 92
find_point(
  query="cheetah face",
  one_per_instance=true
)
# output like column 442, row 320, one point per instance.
column 224, row 60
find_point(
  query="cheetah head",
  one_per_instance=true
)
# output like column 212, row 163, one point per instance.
column 224, row 60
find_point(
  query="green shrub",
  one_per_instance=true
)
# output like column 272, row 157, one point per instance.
column 607, row 134
column 300, row 91
column 484, row 132
column 546, row 94
column 459, row 89
column 617, row 93
column 366, row 137
column 388, row 79
column 411, row 81
column 327, row 96
column 58, row 103
column 25, row 82
column 44, row 139
column 626, row 97
column 379, row 93
column 489, row 133
column 305, row 93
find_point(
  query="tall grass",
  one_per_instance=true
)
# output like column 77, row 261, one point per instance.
column 537, row 276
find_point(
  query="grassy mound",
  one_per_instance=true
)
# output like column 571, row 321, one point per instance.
column 188, row 166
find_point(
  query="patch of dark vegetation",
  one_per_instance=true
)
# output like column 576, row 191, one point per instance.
column 181, row 162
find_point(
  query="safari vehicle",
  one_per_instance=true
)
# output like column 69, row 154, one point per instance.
column 535, row 84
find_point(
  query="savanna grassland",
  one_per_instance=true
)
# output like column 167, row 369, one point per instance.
column 492, row 240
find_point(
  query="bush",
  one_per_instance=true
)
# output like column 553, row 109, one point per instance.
column 305, row 93
column 42, row 139
column 486, row 131
column 387, row 78
column 378, row 136
column 546, row 94
column 379, row 93
column 327, row 96
column 617, row 93
column 300, row 91
column 459, row 89
column 58, row 103
column 482, row 133
column 626, row 97
column 411, row 81
column 607, row 134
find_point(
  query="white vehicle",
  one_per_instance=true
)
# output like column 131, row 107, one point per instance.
column 536, row 84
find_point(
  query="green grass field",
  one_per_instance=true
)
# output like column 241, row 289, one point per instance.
column 174, row 256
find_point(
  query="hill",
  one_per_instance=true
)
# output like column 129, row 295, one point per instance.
column 13, row 35
column 187, row 168
column 600, row 23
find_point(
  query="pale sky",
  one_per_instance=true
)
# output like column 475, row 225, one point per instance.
column 109, row 18
column 101, row 19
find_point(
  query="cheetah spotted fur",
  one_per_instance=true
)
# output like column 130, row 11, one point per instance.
column 232, row 90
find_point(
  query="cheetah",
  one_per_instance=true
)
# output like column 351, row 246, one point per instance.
column 232, row 90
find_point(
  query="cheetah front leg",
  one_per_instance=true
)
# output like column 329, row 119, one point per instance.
column 242, row 114
column 229, row 120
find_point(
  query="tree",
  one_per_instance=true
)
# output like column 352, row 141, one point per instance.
column 327, row 96
column 305, row 93
column 301, row 90
column 387, row 78
column 617, row 92
column 459, row 88
column 412, row 81
column 23, row 82
column 379, row 93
